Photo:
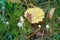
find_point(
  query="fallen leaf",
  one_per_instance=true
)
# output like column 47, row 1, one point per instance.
column 51, row 13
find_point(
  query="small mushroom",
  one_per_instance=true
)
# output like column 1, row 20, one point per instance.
column 47, row 27
column 39, row 26
column 7, row 23
column 19, row 24
column 3, row 7
column 21, row 19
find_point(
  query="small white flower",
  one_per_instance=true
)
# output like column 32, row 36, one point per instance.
column 39, row 26
column 7, row 23
column 47, row 27
column 21, row 19
column 19, row 24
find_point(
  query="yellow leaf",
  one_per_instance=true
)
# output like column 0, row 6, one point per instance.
column 35, row 13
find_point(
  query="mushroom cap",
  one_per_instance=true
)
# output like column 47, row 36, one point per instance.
column 34, row 15
column 19, row 24
column 47, row 27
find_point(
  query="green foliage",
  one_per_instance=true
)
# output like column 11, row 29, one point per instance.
column 13, row 13
column 9, row 7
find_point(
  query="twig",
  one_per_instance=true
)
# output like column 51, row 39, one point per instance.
column 29, row 4
column 33, row 33
column 42, row 35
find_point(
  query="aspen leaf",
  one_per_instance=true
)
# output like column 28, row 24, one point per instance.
column 34, row 15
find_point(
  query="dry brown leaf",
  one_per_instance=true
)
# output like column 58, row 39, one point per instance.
column 13, row 1
column 51, row 13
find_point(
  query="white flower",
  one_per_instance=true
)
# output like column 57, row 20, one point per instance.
column 7, row 23
column 47, row 27
column 19, row 24
column 39, row 26
column 21, row 19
